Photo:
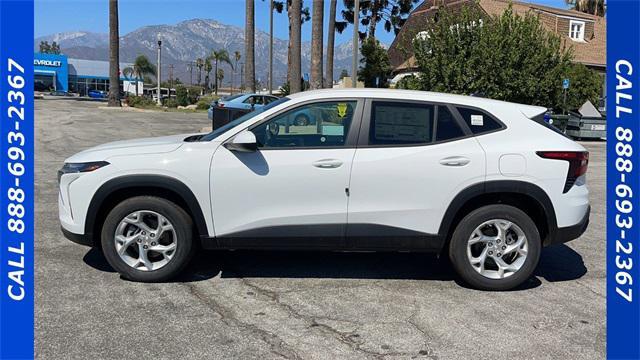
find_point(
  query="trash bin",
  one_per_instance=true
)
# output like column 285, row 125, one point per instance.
column 587, row 123
column 222, row 115
column 559, row 121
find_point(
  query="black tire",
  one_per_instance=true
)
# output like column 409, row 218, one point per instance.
column 301, row 120
column 462, row 233
column 183, row 228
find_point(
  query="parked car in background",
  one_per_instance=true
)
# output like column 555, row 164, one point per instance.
column 97, row 94
column 486, row 182
column 246, row 102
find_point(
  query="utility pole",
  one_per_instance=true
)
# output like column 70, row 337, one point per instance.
column 354, row 63
column 159, row 71
column 270, row 47
column 190, row 69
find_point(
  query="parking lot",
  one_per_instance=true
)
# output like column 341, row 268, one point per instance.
column 314, row 305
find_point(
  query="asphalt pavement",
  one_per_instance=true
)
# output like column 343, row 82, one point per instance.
column 296, row 305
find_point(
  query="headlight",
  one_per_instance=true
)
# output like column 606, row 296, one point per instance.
column 69, row 168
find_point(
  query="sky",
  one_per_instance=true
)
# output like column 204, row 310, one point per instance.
column 53, row 16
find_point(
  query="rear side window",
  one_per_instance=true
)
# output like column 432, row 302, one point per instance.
column 394, row 123
column 479, row 121
column 447, row 127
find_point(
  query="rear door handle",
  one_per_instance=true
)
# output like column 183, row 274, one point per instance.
column 328, row 163
column 455, row 161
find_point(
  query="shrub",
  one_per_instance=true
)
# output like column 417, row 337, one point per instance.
column 204, row 101
column 171, row 103
column 139, row 101
column 182, row 96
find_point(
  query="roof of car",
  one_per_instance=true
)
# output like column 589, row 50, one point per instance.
column 414, row 95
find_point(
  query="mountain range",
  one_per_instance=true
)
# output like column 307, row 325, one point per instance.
column 188, row 40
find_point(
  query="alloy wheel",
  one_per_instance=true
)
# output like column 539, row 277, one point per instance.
column 145, row 240
column 497, row 249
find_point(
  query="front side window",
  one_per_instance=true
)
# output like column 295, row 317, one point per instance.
column 576, row 30
column 396, row 123
column 322, row 124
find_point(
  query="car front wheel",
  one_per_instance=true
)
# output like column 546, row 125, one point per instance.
column 147, row 239
column 495, row 247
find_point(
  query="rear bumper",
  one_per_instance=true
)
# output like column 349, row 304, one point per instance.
column 564, row 234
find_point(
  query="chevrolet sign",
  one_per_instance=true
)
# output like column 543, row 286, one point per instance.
column 49, row 63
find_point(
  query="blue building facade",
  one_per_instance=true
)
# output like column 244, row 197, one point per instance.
column 51, row 71
column 77, row 76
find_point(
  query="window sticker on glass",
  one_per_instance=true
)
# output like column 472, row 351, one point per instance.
column 333, row 130
column 477, row 120
column 342, row 109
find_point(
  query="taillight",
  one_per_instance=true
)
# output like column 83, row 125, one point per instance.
column 578, row 162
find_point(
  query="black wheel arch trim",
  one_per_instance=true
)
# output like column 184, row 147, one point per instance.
column 502, row 186
column 149, row 181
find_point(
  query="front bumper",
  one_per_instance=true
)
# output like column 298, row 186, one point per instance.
column 565, row 234
column 77, row 238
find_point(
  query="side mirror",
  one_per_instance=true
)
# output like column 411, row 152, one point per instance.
column 243, row 142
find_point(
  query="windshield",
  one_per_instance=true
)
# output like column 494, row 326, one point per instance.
column 222, row 129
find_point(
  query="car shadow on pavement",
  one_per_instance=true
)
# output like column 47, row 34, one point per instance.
column 557, row 263
column 560, row 263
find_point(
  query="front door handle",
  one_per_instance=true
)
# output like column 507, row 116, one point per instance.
column 327, row 163
column 455, row 161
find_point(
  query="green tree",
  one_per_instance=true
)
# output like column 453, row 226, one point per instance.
column 219, row 78
column 343, row 74
column 376, row 67
column 140, row 69
column 199, row 65
column 207, row 69
column 182, row 95
column 507, row 57
column 594, row 7
column 219, row 56
column 47, row 48
column 393, row 13
column 585, row 85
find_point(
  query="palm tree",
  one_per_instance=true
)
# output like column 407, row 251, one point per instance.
column 207, row 70
column 317, row 21
column 249, row 45
column 595, row 7
column 331, row 34
column 219, row 76
column 114, row 55
column 219, row 56
column 236, row 58
column 199, row 65
column 141, row 67
column 295, row 27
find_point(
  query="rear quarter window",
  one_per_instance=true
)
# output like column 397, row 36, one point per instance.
column 479, row 121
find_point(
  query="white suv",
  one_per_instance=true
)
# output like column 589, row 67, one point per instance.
column 487, row 182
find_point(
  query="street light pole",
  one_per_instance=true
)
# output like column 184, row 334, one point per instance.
column 270, row 47
column 159, row 71
column 354, row 64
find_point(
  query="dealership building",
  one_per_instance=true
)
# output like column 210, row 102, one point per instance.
column 62, row 74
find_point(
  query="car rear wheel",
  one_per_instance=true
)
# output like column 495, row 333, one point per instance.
column 495, row 247
column 147, row 239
